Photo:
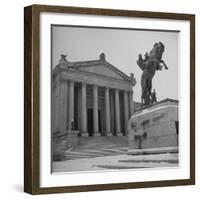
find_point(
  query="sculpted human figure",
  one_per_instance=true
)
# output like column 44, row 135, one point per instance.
column 152, row 62
column 133, row 80
column 63, row 59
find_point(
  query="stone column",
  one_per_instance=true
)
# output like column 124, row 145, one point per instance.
column 83, row 111
column 126, row 117
column 62, row 106
column 56, row 110
column 95, row 111
column 112, row 114
column 71, row 106
column 131, row 108
column 79, row 107
column 107, row 112
column 117, row 113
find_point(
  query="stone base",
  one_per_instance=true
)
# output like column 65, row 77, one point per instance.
column 119, row 134
column 84, row 134
column 155, row 126
column 96, row 134
column 109, row 134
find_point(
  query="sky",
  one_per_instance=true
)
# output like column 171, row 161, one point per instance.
column 121, row 48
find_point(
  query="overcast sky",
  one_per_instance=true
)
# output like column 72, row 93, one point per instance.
column 121, row 48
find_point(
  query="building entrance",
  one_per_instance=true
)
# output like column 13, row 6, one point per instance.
column 90, row 122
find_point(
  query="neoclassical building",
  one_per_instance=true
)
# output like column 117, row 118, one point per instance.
column 93, row 97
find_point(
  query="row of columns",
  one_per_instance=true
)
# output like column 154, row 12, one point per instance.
column 127, row 106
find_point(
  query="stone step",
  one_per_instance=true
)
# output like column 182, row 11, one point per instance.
column 148, row 162
column 93, row 153
column 159, row 150
column 102, row 142
column 172, row 161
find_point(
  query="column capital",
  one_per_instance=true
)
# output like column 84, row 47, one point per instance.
column 83, row 84
column 107, row 88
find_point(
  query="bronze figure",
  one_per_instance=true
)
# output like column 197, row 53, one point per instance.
column 152, row 62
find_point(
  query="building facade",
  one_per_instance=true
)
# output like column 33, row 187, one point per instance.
column 93, row 97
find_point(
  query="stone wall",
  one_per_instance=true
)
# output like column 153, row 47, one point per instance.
column 63, row 142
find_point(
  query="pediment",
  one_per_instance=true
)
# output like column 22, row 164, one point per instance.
column 107, row 71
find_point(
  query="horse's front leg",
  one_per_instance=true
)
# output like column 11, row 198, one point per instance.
column 163, row 62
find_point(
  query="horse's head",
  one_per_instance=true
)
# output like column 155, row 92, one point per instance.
column 158, row 50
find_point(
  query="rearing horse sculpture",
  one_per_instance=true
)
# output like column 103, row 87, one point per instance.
column 152, row 62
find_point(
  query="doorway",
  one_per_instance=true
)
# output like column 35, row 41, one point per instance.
column 90, row 124
column 100, row 124
column 90, row 121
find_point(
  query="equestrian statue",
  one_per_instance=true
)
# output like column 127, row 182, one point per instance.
column 152, row 61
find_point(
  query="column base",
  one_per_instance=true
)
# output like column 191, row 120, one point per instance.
column 85, row 134
column 96, row 134
column 126, row 134
column 119, row 134
column 109, row 134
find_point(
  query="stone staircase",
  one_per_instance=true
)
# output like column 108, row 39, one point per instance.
column 97, row 147
column 75, row 154
column 110, row 153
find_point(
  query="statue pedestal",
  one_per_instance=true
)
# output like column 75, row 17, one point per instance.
column 62, row 141
column 155, row 126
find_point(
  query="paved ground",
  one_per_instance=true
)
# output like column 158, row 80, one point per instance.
column 109, row 153
column 117, row 162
